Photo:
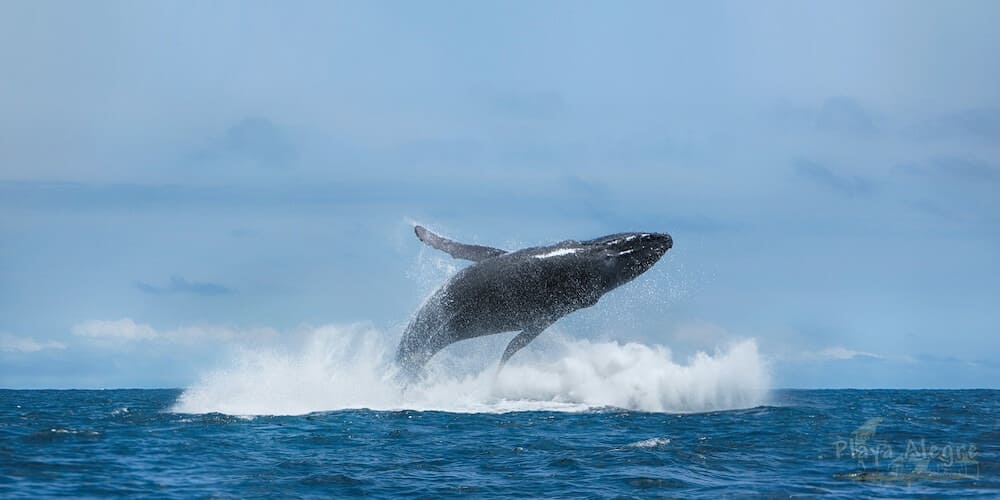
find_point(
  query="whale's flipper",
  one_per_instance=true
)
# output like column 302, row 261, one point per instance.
column 522, row 339
column 457, row 250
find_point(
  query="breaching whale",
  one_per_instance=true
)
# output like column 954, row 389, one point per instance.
column 526, row 290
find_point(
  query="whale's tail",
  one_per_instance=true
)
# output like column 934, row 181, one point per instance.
column 411, row 357
column 422, row 339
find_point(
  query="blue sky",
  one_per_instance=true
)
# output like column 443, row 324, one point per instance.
column 179, row 179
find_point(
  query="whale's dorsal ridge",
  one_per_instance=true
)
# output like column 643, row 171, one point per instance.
column 457, row 250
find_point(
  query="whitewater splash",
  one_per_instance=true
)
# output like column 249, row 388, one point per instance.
column 349, row 367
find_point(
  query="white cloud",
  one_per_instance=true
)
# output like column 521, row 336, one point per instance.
column 217, row 334
column 845, row 353
column 11, row 343
column 837, row 353
column 124, row 329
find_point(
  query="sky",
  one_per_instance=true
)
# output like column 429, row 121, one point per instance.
column 178, row 180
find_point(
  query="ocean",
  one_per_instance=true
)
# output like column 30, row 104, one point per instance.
column 803, row 443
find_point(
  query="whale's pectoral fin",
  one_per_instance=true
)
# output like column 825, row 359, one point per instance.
column 457, row 250
column 522, row 339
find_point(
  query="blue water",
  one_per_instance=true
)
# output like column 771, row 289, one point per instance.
column 113, row 442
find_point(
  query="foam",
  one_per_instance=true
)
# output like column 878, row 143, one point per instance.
column 338, row 367
column 650, row 443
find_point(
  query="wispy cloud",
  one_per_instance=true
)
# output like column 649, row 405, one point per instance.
column 953, row 168
column 449, row 150
column 527, row 104
column 839, row 116
column 122, row 329
column 931, row 208
column 126, row 330
column 13, row 343
column 254, row 141
column 852, row 186
column 966, row 169
column 79, row 196
column 841, row 353
column 933, row 183
column 845, row 115
column 82, row 196
column 982, row 124
column 178, row 284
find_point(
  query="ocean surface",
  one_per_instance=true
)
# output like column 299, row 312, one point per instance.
column 806, row 443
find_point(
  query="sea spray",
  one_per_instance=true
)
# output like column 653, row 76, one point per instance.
column 345, row 367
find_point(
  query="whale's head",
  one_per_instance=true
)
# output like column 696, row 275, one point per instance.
column 622, row 257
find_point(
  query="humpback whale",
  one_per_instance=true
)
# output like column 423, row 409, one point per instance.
column 526, row 290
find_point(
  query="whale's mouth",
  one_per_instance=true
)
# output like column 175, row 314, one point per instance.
column 634, row 240
column 628, row 255
column 648, row 245
column 657, row 239
column 668, row 241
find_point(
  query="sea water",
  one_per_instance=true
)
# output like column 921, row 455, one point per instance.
column 327, row 417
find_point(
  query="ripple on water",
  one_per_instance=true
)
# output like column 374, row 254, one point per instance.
column 649, row 444
column 58, row 434
column 646, row 483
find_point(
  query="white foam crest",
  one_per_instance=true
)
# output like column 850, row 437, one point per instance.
column 347, row 367
column 650, row 443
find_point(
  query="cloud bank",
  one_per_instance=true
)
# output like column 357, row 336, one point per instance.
column 178, row 284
